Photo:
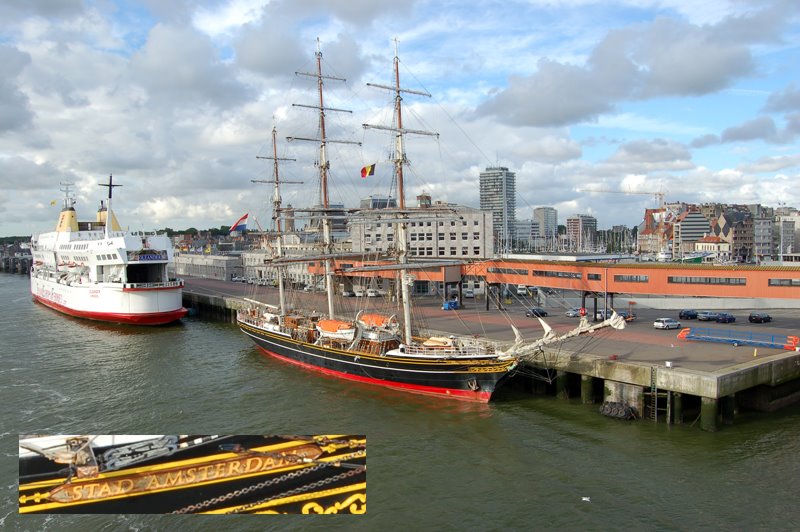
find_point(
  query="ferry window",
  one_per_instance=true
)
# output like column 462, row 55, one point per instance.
column 593, row 276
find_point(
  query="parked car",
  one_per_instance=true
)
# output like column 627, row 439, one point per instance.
column 469, row 294
column 371, row 292
column 759, row 317
column 358, row 292
column 724, row 317
column 604, row 314
column 536, row 312
column 238, row 279
column 348, row 293
column 706, row 315
column 687, row 314
column 666, row 323
column 573, row 313
column 522, row 290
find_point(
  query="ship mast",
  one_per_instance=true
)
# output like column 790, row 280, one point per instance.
column 276, row 209
column 324, row 166
column 110, row 186
column 400, row 161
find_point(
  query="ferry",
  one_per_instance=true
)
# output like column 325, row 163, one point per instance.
column 97, row 271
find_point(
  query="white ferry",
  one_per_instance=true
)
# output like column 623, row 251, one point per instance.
column 97, row 271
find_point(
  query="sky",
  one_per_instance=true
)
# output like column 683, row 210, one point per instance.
column 699, row 101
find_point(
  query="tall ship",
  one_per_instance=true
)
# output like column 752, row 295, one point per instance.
column 381, row 348
column 95, row 270
column 179, row 474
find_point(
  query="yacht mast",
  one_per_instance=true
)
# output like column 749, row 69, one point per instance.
column 324, row 166
column 400, row 161
column 276, row 209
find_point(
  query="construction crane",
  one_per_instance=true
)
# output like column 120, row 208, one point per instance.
column 658, row 195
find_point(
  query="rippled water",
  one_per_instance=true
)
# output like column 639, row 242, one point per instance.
column 522, row 462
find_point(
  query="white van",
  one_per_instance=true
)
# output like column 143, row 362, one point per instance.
column 522, row 290
column 371, row 292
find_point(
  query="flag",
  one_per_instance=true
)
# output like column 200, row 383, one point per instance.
column 52, row 203
column 368, row 170
column 240, row 224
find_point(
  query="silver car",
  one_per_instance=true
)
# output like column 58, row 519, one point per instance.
column 666, row 323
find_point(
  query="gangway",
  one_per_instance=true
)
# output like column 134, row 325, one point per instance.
column 736, row 338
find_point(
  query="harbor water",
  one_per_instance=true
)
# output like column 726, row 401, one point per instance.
column 522, row 462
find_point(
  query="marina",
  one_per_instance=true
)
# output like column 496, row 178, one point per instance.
column 431, row 461
column 661, row 376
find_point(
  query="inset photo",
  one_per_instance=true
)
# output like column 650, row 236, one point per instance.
column 182, row 474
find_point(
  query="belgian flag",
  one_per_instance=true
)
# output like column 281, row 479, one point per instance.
column 367, row 170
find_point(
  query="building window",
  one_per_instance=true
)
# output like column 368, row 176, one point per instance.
column 441, row 251
column 464, row 236
column 476, row 251
column 677, row 279
column 441, row 236
column 464, row 250
column 428, row 236
column 784, row 282
column 453, row 250
column 549, row 273
column 631, row 278
column 476, row 236
column 452, row 236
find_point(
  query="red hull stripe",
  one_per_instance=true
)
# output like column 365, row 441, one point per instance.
column 466, row 395
column 151, row 318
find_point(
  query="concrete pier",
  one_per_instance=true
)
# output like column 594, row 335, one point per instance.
column 705, row 383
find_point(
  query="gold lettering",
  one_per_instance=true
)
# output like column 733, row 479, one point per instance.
column 152, row 483
column 125, row 485
column 190, row 474
column 77, row 493
column 234, row 467
column 204, row 472
column 253, row 464
column 220, row 471
column 173, row 477
column 104, row 491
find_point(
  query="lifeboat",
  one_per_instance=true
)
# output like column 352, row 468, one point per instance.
column 338, row 329
column 438, row 341
column 372, row 320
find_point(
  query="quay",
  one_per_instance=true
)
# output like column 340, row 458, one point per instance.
column 651, row 373
column 13, row 264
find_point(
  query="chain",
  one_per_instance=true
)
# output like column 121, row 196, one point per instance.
column 300, row 489
column 245, row 491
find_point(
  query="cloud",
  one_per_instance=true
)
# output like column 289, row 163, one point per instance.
column 15, row 112
column 771, row 164
column 663, row 58
column 657, row 154
column 787, row 99
column 179, row 67
column 705, row 140
column 760, row 128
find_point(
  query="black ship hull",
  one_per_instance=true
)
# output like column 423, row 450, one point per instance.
column 469, row 379
column 209, row 480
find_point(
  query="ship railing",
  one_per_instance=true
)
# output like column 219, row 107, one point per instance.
column 167, row 284
column 461, row 347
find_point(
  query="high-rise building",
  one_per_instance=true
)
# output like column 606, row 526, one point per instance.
column 582, row 230
column 498, row 196
column 548, row 221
